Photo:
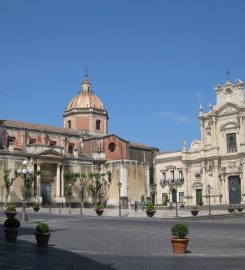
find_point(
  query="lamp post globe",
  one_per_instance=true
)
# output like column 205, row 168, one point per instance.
column 25, row 173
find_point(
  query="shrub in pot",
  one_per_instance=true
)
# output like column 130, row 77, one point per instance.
column 194, row 210
column 150, row 210
column 11, row 229
column 99, row 209
column 36, row 207
column 179, row 239
column 42, row 234
column 10, row 210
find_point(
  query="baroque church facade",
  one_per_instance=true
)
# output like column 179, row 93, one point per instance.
column 214, row 167
column 83, row 145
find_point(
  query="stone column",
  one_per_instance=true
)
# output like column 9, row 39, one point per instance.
column 216, row 177
column 58, row 180
column 241, row 131
column 62, row 181
column 147, row 177
column 123, row 179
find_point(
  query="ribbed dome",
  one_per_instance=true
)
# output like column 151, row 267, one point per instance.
column 85, row 99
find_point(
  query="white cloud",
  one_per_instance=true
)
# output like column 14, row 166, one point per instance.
column 174, row 117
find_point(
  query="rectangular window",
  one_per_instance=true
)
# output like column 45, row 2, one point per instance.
column 32, row 141
column 69, row 123
column 98, row 123
column 164, row 176
column 181, row 196
column 181, row 178
column 231, row 142
column 172, row 176
column 52, row 143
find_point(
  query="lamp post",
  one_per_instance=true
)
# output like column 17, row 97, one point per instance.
column 2, row 187
column 26, row 174
column 50, row 197
column 209, row 206
column 81, row 206
column 119, row 190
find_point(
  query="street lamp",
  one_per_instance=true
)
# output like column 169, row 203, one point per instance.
column 50, row 195
column 26, row 174
column 2, row 187
column 209, row 206
column 119, row 190
column 81, row 207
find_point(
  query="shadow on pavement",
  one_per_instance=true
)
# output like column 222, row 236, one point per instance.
column 26, row 255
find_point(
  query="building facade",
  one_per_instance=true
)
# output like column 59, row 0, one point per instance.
column 83, row 145
column 214, row 166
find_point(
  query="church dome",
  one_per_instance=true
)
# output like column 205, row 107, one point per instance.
column 86, row 98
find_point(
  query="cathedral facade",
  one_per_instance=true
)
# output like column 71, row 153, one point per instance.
column 83, row 145
column 214, row 166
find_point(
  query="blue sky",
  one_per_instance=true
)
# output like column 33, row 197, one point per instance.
column 151, row 62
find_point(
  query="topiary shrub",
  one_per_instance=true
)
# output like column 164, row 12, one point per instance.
column 179, row 230
column 99, row 206
column 11, row 223
column 10, row 208
column 42, row 227
column 150, row 207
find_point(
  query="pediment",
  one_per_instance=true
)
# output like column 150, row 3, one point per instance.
column 229, row 125
column 228, row 108
column 51, row 153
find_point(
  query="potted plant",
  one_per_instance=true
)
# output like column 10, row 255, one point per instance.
column 36, row 206
column 42, row 234
column 11, row 229
column 150, row 210
column 99, row 209
column 239, row 208
column 231, row 208
column 179, row 240
column 10, row 210
column 194, row 210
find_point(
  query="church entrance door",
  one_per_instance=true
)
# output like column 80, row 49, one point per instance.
column 234, row 189
column 46, row 194
column 198, row 196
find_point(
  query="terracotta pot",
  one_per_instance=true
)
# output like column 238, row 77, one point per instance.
column 179, row 245
column 36, row 209
column 194, row 212
column 99, row 212
column 11, row 235
column 231, row 210
column 42, row 239
column 150, row 213
column 239, row 209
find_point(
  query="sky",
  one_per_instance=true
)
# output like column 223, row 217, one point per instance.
column 151, row 62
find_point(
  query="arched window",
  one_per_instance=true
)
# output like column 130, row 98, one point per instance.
column 112, row 147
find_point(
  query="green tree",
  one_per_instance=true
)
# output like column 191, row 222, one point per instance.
column 96, row 185
column 70, row 180
column 8, row 182
column 29, row 179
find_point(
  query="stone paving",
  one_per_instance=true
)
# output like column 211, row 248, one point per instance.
column 133, row 241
